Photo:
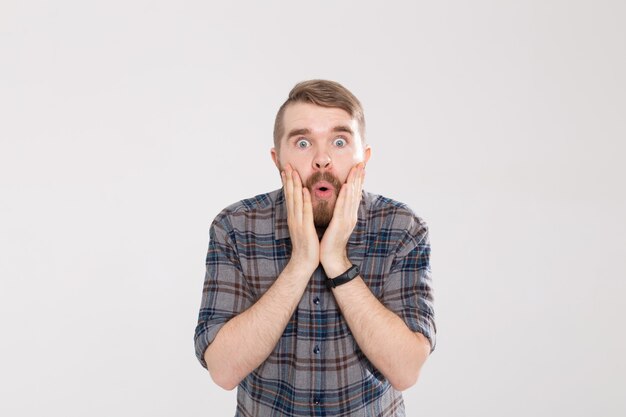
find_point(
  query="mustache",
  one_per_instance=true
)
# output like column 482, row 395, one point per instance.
column 323, row 176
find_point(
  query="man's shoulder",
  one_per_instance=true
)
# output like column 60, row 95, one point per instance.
column 379, row 205
column 377, row 201
column 387, row 213
column 259, row 205
column 265, row 201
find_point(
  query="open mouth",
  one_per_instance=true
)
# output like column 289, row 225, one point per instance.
column 323, row 186
column 323, row 190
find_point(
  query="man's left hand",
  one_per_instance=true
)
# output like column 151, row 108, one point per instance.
column 333, row 254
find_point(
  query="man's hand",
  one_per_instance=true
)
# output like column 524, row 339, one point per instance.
column 333, row 255
column 254, row 333
column 305, row 243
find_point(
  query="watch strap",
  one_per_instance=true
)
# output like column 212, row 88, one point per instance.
column 347, row 276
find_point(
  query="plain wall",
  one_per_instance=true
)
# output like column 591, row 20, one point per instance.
column 126, row 126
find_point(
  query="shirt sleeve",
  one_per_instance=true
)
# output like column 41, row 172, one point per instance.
column 408, row 289
column 226, row 292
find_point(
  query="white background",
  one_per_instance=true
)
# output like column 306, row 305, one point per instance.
column 126, row 126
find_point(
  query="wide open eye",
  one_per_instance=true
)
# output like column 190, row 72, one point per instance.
column 303, row 143
column 340, row 142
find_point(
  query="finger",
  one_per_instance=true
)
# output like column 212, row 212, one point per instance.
column 359, row 183
column 359, row 173
column 344, row 194
column 358, row 190
column 353, row 198
column 283, row 180
column 297, row 196
column 341, row 199
column 351, row 175
column 307, row 206
column 348, row 205
column 289, row 191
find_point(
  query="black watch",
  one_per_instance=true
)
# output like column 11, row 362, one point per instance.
column 347, row 276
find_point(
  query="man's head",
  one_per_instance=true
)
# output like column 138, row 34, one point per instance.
column 319, row 131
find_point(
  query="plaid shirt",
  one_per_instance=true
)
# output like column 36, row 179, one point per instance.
column 317, row 368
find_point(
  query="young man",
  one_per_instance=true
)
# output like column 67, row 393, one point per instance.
column 317, row 297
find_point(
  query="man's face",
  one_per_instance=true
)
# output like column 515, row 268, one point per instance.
column 322, row 144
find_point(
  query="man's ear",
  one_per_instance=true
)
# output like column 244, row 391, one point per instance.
column 275, row 158
column 366, row 154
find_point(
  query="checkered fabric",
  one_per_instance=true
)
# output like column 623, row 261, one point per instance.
column 317, row 368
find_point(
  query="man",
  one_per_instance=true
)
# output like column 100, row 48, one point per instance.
column 317, row 297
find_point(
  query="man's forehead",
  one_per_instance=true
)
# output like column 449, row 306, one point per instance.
column 317, row 118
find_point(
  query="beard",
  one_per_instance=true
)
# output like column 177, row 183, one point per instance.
column 323, row 209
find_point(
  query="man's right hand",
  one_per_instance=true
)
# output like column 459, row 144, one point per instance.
column 264, row 322
column 304, row 241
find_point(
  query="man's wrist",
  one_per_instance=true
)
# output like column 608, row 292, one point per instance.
column 343, row 278
column 299, row 267
column 336, row 267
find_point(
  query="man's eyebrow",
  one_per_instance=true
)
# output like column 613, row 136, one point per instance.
column 343, row 129
column 305, row 131
column 298, row 132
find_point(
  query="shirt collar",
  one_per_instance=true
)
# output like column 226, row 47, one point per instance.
column 281, row 228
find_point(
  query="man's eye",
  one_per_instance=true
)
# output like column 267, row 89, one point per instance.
column 339, row 142
column 303, row 143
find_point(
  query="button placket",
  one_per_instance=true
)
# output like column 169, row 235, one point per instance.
column 317, row 336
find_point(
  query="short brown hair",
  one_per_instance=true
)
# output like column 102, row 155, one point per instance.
column 322, row 93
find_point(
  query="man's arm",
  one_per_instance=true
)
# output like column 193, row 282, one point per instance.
column 396, row 351
column 245, row 341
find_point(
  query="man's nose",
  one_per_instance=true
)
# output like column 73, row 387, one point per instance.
column 322, row 161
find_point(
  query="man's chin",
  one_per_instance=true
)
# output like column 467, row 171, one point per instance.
column 322, row 222
column 323, row 212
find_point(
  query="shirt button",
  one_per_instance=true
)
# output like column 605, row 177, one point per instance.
column 316, row 349
column 316, row 401
column 316, row 301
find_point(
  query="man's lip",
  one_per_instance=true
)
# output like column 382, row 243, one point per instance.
column 323, row 184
